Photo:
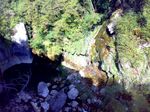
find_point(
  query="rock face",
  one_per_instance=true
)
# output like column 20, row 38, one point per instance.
column 15, row 51
column 43, row 89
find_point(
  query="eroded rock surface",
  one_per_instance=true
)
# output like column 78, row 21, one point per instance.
column 16, row 50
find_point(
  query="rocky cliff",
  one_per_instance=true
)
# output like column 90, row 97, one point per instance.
column 16, row 50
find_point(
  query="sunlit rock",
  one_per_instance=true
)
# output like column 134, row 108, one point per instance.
column 20, row 34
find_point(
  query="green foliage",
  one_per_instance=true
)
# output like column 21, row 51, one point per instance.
column 61, row 23
column 5, row 16
column 128, row 43
column 146, row 21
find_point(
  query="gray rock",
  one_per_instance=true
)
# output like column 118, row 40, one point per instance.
column 74, row 110
column 62, row 85
column 74, row 78
column 67, row 109
column 54, row 86
column 45, row 106
column 74, row 104
column 57, row 79
column 35, row 107
column 53, row 93
column 24, row 96
column 79, row 109
column 73, row 93
column 94, row 100
column 89, row 101
column 94, row 88
column 103, row 91
column 49, row 84
column 58, row 102
column 43, row 89
column 72, row 86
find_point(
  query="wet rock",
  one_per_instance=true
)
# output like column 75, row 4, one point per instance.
column 73, row 93
column 43, row 89
column 45, row 106
column 74, row 103
column 58, row 102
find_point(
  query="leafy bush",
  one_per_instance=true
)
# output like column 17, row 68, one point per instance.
column 60, row 23
column 128, row 42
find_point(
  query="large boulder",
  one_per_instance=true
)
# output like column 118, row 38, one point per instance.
column 57, row 102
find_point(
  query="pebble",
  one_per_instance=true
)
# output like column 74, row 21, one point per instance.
column 71, row 86
column 103, row 91
column 74, row 103
column 53, row 93
column 24, row 96
column 54, row 86
column 89, row 101
column 67, row 109
column 49, row 84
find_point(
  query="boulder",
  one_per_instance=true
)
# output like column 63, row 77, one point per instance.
column 73, row 93
column 43, row 89
column 58, row 102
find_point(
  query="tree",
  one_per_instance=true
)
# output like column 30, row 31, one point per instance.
column 56, row 24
